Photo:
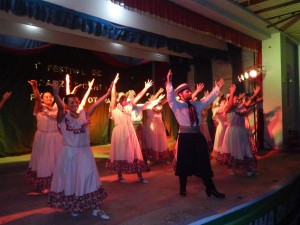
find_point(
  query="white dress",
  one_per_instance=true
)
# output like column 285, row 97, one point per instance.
column 76, row 186
column 125, row 153
column 45, row 150
column 219, row 135
column 236, row 144
column 155, row 134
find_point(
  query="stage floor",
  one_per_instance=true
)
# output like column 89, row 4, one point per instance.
column 156, row 203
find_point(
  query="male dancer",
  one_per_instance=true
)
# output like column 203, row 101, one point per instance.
column 192, row 152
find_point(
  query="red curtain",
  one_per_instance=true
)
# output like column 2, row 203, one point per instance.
column 175, row 13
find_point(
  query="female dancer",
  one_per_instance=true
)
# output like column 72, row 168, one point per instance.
column 219, row 117
column 137, row 119
column 236, row 144
column 76, row 186
column 125, row 154
column 47, row 142
column 86, row 95
column 155, row 132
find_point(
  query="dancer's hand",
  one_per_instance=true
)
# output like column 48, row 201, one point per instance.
column 33, row 84
column 169, row 77
column 148, row 84
column 6, row 95
column 219, row 83
column 199, row 87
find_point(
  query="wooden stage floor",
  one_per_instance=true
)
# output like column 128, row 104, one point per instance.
column 156, row 203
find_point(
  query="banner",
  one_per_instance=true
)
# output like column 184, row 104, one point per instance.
column 17, row 122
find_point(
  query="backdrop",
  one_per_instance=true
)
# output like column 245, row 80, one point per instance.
column 48, row 62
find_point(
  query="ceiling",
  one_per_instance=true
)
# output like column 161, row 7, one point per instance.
column 256, row 18
column 281, row 14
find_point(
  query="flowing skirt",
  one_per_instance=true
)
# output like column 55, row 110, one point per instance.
column 76, row 186
column 44, row 156
column 156, row 140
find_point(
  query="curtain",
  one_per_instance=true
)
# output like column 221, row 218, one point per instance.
column 17, row 123
column 175, row 13
column 203, row 74
column 236, row 61
column 63, row 17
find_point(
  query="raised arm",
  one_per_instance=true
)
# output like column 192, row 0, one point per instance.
column 93, row 107
column 160, row 91
column 199, row 88
column 150, row 104
column 113, row 101
column 60, row 104
column 231, row 95
column 87, row 93
column 169, row 89
column 255, row 92
column 5, row 96
column 37, row 96
column 148, row 84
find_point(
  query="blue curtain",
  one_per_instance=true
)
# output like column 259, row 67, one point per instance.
column 64, row 17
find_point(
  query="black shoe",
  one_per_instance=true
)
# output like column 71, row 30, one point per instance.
column 215, row 193
column 182, row 192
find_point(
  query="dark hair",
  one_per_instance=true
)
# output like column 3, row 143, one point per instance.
column 66, row 98
column 42, row 95
column 222, row 99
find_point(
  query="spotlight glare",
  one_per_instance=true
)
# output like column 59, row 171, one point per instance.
column 253, row 73
column 246, row 75
column 242, row 77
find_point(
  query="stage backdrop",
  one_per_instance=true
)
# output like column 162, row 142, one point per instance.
column 17, row 123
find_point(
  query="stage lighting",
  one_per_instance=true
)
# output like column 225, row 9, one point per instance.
column 246, row 74
column 253, row 73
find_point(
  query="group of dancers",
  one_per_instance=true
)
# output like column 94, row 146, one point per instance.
column 233, row 144
column 62, row 163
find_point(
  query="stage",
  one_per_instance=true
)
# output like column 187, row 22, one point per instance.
column 156, row 203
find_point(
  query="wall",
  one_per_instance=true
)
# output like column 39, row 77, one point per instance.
column 272, row 88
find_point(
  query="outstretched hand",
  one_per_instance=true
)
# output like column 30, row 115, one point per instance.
column 160, row 97
column 232, row 89
column 206, row 93
column 33, row 83
column 161, row 90
column 148, row 84
column 199, row 87
column 219, row 83
column 55, row 87
column 6, row 95
column 169, row 76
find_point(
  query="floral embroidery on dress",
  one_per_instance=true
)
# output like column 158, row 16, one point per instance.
column 123, row 109
column 51, row 114
column 70, row 126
